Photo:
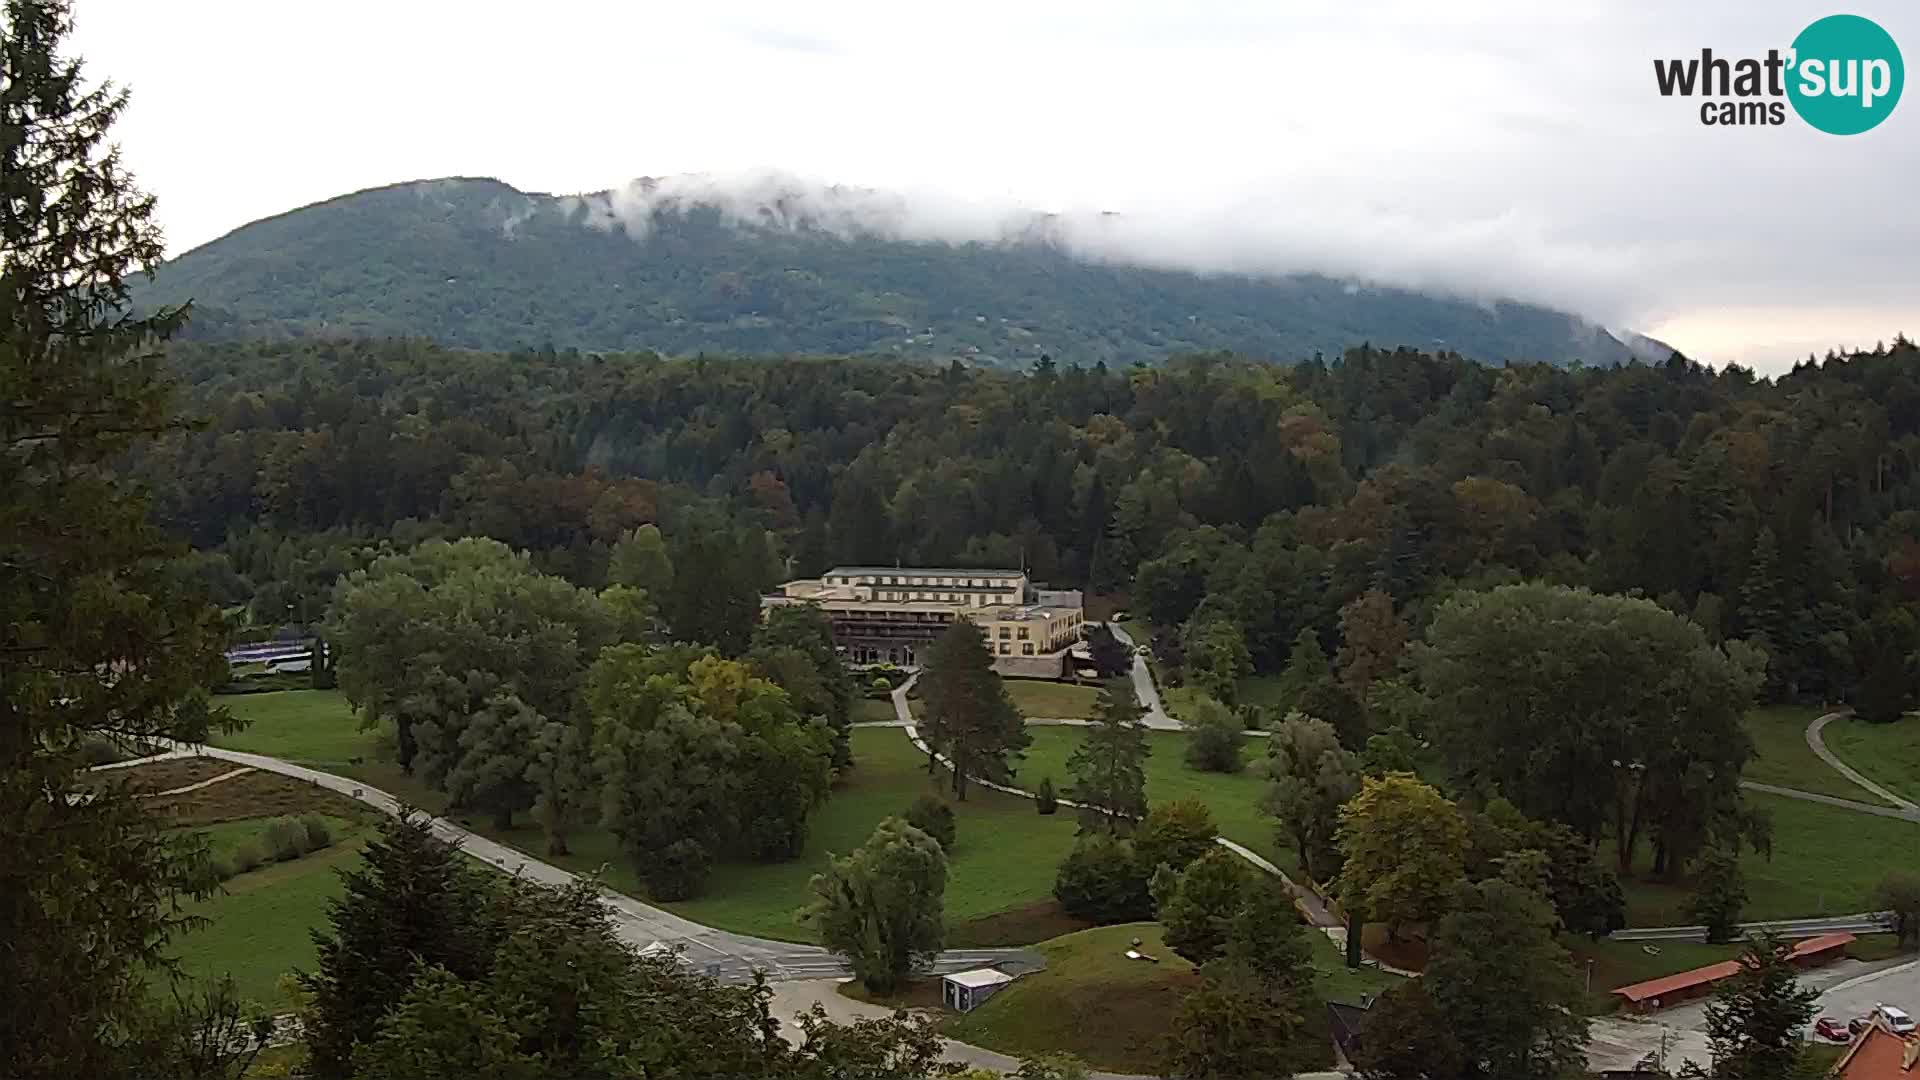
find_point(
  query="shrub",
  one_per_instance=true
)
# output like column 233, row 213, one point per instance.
column 678, row 871
column 222, row 867
column 284, row 839
column 1100, row 880
column 1214, row 739
column 1044, row 800
column 882, row 685
column 99, row 750
column 1174, row 833
column 318, row 835
column 245, row 857
column 931, row 815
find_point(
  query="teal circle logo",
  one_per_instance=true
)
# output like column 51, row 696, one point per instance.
column 1846, row 74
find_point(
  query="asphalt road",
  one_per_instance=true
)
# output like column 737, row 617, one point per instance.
column 719, row 952
column 1143, row 688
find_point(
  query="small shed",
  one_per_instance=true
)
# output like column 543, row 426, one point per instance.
column 963, row 991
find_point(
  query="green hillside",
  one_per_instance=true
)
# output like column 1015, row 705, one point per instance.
column 475, row 263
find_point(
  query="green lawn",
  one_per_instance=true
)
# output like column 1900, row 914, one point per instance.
column 867, row 710
column 1623, row 963
column 1052, row 700
column 313, row 727
column 1261, row 690
column 259, row 924
column 223, row 837
column 1888, row 754
column 1826, row 861
column 1781, row 755
column 1091, row 1001
column 1234, row 799
column 1112, row 1012
column 1005, row 853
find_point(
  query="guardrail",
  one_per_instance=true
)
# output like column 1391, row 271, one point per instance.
column 1866, row 922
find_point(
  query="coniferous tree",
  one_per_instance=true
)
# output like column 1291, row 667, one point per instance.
column 969, row 717
column 413, row 901
column 1756, row 1017
column 99, row 636
column 1108, row 768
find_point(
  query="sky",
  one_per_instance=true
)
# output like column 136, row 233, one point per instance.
column 1478, row 147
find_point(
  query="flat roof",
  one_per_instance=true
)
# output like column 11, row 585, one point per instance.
column 920, row 570
column 979, row 977
column 1712, row 973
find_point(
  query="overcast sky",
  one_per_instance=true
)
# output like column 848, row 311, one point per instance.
column 1485, row 146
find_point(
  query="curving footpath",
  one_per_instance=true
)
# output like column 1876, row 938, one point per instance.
column 1818, row 745
column 717, row 952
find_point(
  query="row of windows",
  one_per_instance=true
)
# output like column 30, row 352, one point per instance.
column 921, row 579
column 1005, row 633
column 1006, row 648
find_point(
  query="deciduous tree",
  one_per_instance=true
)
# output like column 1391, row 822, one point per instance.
column 1197, row 905
column 1214, row 737
column 882, row 907
column 1310, row 777
column 1402, row 846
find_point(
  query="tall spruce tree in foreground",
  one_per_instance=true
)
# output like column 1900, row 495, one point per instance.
column 1109, row 766
column 97, row 637
column 412, row 902
column 969, row 716
column 1756, row 1017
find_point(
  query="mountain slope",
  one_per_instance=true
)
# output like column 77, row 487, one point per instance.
column 474, row 262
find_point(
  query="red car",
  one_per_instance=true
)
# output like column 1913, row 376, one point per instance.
column 1828, row 1028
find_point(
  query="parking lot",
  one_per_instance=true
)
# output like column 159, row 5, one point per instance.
column 1898, row 985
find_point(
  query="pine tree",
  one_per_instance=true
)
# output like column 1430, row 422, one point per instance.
column 1108, row 768
column 98, row 636
column 969, row 717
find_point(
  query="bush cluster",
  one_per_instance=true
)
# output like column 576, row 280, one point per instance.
column 284, row 839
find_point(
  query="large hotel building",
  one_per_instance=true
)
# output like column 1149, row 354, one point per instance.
column 889, row 614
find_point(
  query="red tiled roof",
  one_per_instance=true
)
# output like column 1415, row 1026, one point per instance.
column 1879, row 1054
column 1712, row 973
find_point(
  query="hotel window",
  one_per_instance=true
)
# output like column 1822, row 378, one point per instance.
column 1006, row 648
column 1005, row 632
column 1026, row 648
column 1023, row 633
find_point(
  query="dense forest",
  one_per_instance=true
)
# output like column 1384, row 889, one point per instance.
column 475, row 263
column 1239, row 495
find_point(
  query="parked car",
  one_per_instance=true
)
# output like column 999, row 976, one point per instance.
column 1897, row 1020
column 1831, row 1029
column 1858, row 1024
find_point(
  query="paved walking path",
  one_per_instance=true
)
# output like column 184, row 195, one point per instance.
column 1819, row 746
column 718, row 952
column 1831, row 800
column 1156, row 715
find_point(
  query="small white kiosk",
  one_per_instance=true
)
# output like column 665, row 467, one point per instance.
column 964, row 990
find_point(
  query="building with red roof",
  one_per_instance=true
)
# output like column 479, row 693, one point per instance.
column 1671, row 989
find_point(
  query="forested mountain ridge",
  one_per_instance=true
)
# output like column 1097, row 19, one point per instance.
column 478, row 264
column 1783, row 512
